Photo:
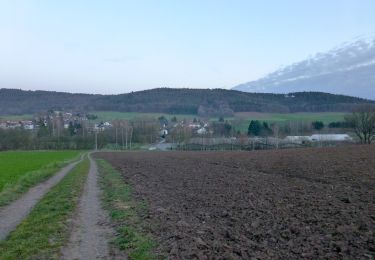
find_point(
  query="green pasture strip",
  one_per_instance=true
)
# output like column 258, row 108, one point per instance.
column 125, row 214
column 42, row 234
column 109, row 115
column 19, row 171
column 16, row 117
column 325, row 117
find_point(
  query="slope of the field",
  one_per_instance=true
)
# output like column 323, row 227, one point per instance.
column 175, row 101
column 290, row 204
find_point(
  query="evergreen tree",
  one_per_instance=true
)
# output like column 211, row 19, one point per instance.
column 254, row 128
column 317, row 125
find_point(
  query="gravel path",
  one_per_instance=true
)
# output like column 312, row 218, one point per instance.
column 91, row 230
column 12, row 214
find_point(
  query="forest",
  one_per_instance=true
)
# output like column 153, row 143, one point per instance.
column 201, row 102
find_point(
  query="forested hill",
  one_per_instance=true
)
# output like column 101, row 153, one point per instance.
column 176, row 101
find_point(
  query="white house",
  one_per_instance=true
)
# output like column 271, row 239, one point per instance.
column 28, row 125
column 319, row 138
column 299, row 139
column 330, row 137
column 202, row 131
column 194, row 125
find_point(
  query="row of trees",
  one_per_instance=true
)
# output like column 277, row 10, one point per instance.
column 81, row 135
column 361, row 120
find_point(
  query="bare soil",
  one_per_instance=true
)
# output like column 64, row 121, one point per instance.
column 12, row 214
column 286, row 204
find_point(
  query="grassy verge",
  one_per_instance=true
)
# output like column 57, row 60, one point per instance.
column 13, row 191
column 42, row 234
column 125, row 214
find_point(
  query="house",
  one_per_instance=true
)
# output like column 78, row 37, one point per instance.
column 298, row 139
column 102, row 126
column 194, row 125
column 13, row 124
column 202, row 131
column 319, row 138
column 27, row 124
column 331, row 138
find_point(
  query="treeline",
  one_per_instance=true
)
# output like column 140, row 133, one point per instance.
column 80, row 136
column 264, row 129
column 21, row 139
column 202, row 102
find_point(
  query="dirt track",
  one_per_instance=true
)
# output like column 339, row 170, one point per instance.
column 91, row 230
column 12, row 214
column 313, row 203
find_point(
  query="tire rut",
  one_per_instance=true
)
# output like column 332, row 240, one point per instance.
column 13, row 214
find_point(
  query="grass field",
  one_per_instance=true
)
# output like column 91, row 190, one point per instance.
column 15, row 165
column 42, row 234
column 21, row 170
column 17, row 117
column 326, row 117
column 109, row 116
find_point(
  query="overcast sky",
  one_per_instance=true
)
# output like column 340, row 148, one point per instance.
column 121, row 46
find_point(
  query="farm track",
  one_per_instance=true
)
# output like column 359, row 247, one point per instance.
column 12, row 214
column 91, row 230
column 286, row 204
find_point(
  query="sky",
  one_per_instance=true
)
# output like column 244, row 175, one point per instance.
column 111, row 47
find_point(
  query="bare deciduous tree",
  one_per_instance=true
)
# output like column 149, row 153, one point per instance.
column 363, row 122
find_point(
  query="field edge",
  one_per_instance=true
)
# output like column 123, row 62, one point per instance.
column 125, row 213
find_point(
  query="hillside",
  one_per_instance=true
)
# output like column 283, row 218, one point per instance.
column 176, row 101
column 348, row 69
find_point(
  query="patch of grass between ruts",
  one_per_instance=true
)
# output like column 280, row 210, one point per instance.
column 125, row 214
column 42, row 234
column 14, row 191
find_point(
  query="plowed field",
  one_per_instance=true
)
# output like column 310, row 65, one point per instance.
column 289, row 204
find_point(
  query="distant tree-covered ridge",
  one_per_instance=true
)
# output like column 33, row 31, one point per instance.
column 203, row 102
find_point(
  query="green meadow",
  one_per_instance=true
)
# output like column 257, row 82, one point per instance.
column 21, row 170
column 110, row 115
column 326, row 117
column 17, row 117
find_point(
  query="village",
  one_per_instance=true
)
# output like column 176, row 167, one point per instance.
column 170, row 133
column 56, row 119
